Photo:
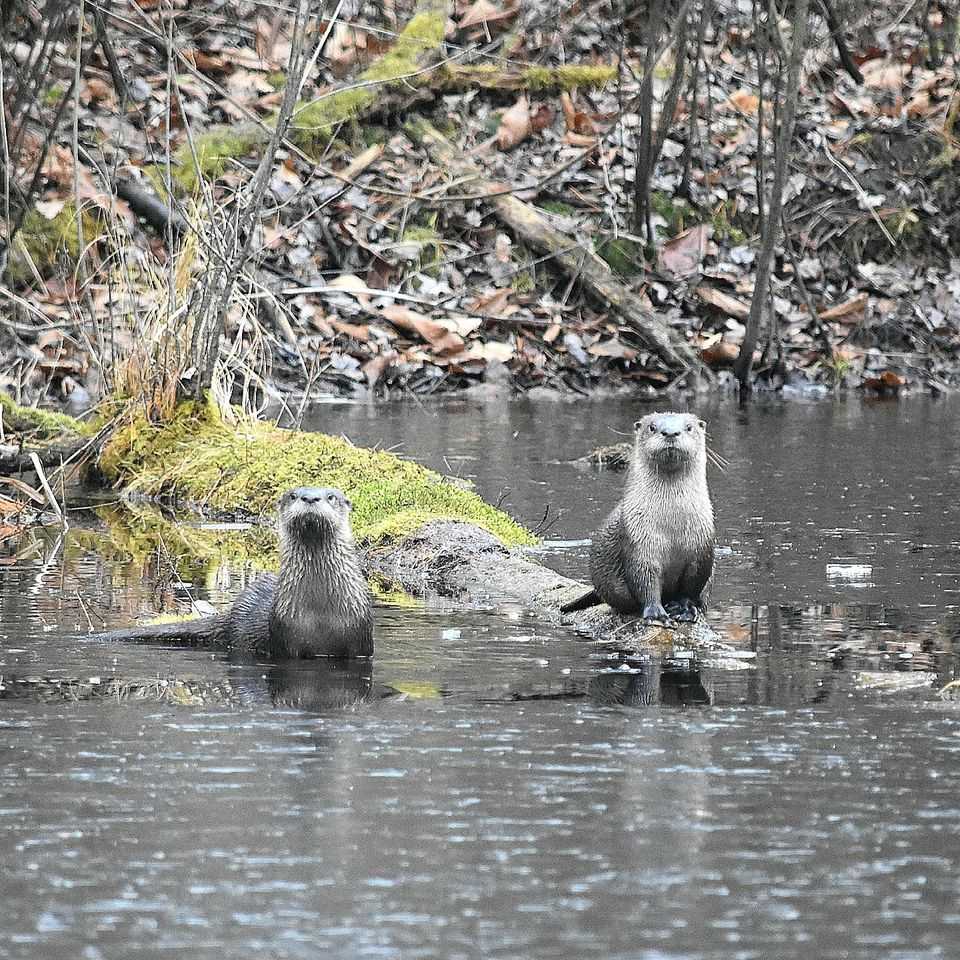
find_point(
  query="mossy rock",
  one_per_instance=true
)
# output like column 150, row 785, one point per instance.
column 39, row 424
column 48, row 243
column 199, row 457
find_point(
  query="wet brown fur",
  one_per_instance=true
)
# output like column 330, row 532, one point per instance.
column 656, row 546
column 317, row 606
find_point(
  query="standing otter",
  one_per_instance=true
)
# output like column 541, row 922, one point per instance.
column 656, row 547
column 318, row 606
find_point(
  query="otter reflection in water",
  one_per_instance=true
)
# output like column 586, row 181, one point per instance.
column 319, row 604
column 323, row 685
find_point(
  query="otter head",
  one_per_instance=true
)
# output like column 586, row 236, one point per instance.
column 314, row 514
column 671, row 441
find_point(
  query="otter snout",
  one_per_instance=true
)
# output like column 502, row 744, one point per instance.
column 314, row 509
column 311, row 495
column 670, row 439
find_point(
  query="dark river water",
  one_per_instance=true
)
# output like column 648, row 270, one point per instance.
column 479, row 791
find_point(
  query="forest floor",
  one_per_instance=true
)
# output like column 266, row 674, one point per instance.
column 378, row 272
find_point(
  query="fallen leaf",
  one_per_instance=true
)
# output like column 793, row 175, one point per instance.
column 612, row 348
column 350, row 283
column 491, row 350
column 744, row 101
column 357, row 331
column 374, row 369
column 720, row 354
column 49, row 209
column 542, row 119
column 683, row 255
column 437, row 335
column 724, row 302
column 479, row 12
column 852, row 308
column 515, row 125
column 888, row 382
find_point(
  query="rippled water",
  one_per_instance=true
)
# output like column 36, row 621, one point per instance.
column 483, row 790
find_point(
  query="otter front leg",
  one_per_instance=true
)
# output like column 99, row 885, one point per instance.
column 644, row 583
column 695, row 583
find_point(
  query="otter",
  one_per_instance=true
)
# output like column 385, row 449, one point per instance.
column 656, row 547
column 318, row 606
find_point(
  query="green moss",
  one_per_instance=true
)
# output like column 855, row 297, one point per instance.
column 214, row 151
column 277, row 80
column 723, row 225
column 200, row 458
column 566, row 78
column 52, row 95
column 47, row 242
column 314, row 122
column 430, row 243
column 556, row 206
column 677, row 213
column 624, row 256
column 39, row 424
column 903, row 223
column 386, row 592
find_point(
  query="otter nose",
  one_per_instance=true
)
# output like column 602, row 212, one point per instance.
column 308, row 494
column 669, row 430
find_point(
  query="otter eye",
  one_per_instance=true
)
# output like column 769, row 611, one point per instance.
column 331, row 498
column 653, row 427
column 689, row 428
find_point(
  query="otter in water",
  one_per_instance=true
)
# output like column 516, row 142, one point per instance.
column 318, row 606
column 656, row 547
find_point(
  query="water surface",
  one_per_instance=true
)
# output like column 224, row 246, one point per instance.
column 485, row 789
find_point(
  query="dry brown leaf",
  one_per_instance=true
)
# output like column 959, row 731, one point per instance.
column 350, row 283
column 744, row 101
column 491, row 350
column 612, row 348
column 731, row 306
column 515, row 125
column 542, row 119
column 480, row 11
column 888, row 382
column 683, row 255
column 437, row 335
column 495, row 304
column 885, row 74
column 578, row 139
column 720, row 354
column 35, row 495
column 850, row 311
column 374, row 369
column 357, row 331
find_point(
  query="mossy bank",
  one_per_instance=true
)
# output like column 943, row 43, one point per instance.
column 199, row 457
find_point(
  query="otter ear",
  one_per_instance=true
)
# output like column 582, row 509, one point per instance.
column 703, row 425
column 636, row 424
column 348, row 502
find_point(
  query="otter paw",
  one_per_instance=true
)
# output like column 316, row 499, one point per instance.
column 687, row 611
column 654, row 611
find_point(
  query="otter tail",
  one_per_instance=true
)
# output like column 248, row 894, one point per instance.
column 206, row 630
column 590, row 599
